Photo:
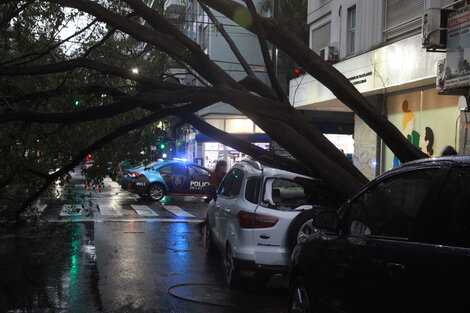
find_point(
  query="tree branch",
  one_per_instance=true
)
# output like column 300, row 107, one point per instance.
column 100, row 143
column 229, row 40
column 329, row 76
column 86, row 63
column 267, row 157
column 265, row 52
column 150, row 101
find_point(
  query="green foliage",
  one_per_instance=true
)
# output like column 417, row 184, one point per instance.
column 34, row 37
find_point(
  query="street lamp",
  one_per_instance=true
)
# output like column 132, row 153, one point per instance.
column 135, row 70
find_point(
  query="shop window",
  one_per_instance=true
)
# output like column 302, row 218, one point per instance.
column 239, row 125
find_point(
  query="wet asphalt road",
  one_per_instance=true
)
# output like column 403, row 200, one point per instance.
column 131, row 262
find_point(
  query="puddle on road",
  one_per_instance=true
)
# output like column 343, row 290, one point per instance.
column 225, row 297
column 52, row 269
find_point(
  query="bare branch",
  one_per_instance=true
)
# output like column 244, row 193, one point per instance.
column 86, row 63
column 229, row 40
column 265, row 52
column 328, row 75
column 267, row 157
column 151, row 100
column 100, row 143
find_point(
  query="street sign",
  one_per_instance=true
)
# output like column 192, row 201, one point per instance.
column 457, row 65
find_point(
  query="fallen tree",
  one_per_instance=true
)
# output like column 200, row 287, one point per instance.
column 40, row 78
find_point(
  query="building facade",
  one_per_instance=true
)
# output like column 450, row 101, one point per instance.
column 198, row 147
column 377, row 45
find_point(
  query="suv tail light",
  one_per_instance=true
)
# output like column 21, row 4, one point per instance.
column 251, row 220
column 131, row 174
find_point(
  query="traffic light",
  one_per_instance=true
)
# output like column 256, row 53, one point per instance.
column 162, row 146
column 299, row 71
column 76, row 102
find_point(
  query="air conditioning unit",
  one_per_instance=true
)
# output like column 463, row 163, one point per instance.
column 328, row 53
column 435, row 29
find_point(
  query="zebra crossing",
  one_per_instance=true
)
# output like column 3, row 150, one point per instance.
column 114, row 210
column 143, row 210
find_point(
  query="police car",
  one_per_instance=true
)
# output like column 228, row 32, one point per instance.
column 155, row 180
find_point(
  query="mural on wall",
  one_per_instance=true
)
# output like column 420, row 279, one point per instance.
column 426, row 144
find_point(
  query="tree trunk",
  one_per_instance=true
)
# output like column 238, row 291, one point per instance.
column 257, row 153
column 329, row 76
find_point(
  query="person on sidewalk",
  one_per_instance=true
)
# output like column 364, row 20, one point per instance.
column 219, row 173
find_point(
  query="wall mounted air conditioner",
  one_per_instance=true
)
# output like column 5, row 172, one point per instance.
column 435, row 29
column 328, row 53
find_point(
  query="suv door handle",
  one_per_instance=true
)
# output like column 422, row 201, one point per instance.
column 395, row 268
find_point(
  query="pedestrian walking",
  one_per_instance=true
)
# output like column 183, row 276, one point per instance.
column 219, row 173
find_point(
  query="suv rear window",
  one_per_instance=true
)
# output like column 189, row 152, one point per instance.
column 281, row 193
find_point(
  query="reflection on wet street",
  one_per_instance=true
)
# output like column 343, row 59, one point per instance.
column 49, row 269
column 120, row 267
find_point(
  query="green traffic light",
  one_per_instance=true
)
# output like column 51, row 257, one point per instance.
column 76, row 103
column 162, row 146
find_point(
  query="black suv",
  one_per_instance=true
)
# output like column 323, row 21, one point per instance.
column 402, row 244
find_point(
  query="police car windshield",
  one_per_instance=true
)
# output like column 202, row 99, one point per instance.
column 146, row 167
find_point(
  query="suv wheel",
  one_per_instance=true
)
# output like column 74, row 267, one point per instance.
column 231, row 272
column 156, row 192
column 300, row 298
column 301, row 227
column 210, row 244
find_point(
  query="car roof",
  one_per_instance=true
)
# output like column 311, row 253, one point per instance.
column 255, row 168
column 461, row 160
column 162, row 163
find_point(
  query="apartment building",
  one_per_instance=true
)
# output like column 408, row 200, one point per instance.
column 377, row 45
column 196, row 146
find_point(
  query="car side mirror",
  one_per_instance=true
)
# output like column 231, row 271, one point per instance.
column 210, row 190
column 327, row 220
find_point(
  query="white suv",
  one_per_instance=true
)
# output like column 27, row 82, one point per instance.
column 257, row 216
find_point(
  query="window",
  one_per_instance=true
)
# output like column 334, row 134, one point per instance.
column 173, row 169
column 196, row 170
column 390, row 207
column 453, row 210
column 252, row 190
column 231, row 184
column 282, row 193
column 403, row 18
column 351, row 30
column 321, row 37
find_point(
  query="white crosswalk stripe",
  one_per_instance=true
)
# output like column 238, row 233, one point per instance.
column 71, row 210
column 176, row 210
column 108, row 209
column 143, row 210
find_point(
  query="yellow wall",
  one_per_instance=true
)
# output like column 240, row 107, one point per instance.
column 425, row 109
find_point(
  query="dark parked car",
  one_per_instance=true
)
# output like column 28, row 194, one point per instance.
column 402, row 244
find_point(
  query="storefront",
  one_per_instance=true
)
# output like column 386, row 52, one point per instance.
column 399, row 78
column 206, row 151
column 428, row 120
